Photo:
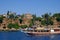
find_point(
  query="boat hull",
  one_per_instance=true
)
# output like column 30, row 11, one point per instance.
column 42, row 33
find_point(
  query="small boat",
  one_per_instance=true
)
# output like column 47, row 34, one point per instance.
column 42, row 31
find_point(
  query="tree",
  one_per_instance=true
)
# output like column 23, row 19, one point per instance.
column 10, row 25
column 58, row 19
column 46, row 16
column 31, row 23
column 57, row 15
column 23, row 26
column 11, row 16
column 34, row 17
column 20, row 20
column 38, row 18
column 7, row 12
column 44, row 22
column 47, row 20
column 16, row 26
column 1, row 19
column 50, row 22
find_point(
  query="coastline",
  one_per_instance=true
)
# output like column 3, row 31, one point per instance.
column 9, row 30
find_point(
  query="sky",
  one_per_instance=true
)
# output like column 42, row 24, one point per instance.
column 38, row 7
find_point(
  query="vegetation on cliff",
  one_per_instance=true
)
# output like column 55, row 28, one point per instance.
column 45, row 20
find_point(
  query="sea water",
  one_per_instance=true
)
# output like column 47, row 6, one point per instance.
column 22, row 36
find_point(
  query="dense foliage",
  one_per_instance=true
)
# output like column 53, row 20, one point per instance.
column 46, row 19
column 23, row 26
column 10, row 25
column 58, row 19
column 57, row 15
column 38, row 18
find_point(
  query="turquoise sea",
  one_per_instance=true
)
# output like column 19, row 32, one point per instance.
column 21, row 36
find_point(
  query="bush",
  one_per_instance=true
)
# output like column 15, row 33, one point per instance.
column 23, row 26
column 43, row 22
column 10, row 25
column 47, row 22
column 16, row 26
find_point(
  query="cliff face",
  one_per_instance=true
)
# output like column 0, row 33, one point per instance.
column 26, row 21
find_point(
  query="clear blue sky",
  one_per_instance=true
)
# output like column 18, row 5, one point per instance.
column 37, row 7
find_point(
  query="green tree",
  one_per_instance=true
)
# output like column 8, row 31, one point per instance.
column 20, row 20
column 16, row 26
column 10, row 25
column 23, row 26
column 31, row 23
column 50, row 22
column 57, row 16
column 34, row 17
column 58, row 19
column 46, row 16
column 47, row 20
column 38, row 18
column 43, row 22
column 1, row 19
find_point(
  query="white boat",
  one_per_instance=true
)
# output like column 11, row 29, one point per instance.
column 42, row 32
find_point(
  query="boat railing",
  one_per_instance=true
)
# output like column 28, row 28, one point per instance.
column 41, row 30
